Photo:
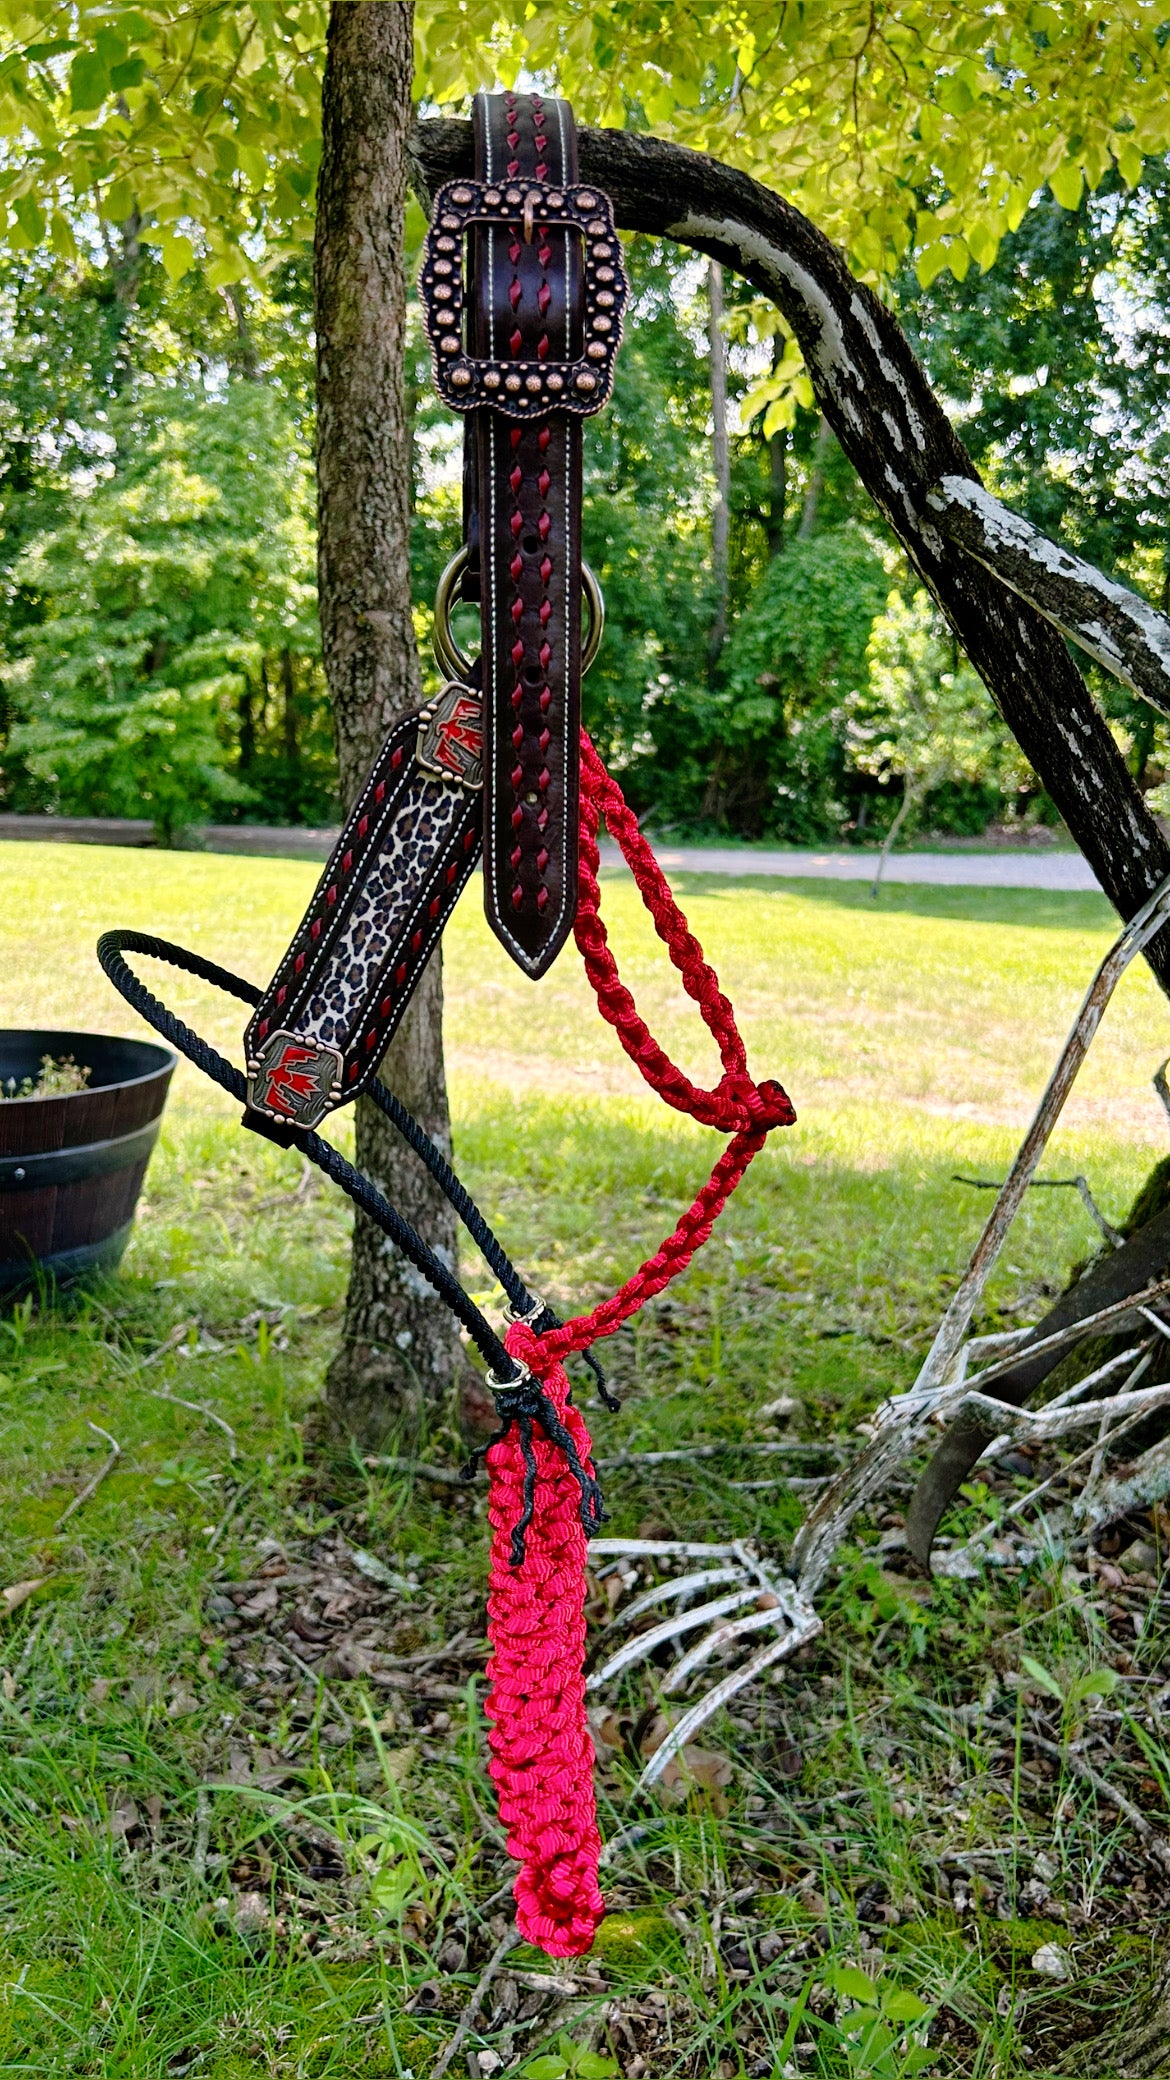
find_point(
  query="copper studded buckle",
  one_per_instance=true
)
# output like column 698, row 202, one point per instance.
column 523, row 389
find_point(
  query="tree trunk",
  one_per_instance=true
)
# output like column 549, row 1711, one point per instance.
column 777, row 473
column 720, row 457
column 400, row 1353
column 816, row 484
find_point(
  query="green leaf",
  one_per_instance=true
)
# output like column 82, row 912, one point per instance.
column 1066, row 184
column 227, row 267
column 590, row 2066
column 1129, row 162
column 390, row 1889
column 1095, row 1682
column 931, row 262
column 61, row 236
column 178, row 254
column 130, row 73
column 959, row 259
column 118, row 202
column 31, row 218
column 52, row 49
column 902, row 2006
column 1042, row 1678
column 89, row 82
column 919, row 2060
column 955, row 96
column 550, row 2067
column 984, row 244
column 856, row 2020
column 854, row 1984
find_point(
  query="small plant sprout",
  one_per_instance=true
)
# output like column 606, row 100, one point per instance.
column 882, row 2029
column 569, row 2061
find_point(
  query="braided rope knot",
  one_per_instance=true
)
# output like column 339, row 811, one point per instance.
column 748, row 1107
column 523, row 1402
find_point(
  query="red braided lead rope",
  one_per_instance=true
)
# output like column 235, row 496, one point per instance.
column 542, row 1750
column 542, row 1753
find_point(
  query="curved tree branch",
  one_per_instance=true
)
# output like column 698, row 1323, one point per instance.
column 877, row 399
column 1116, row 626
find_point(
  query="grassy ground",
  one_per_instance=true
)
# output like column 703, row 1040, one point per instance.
column 246, row 1824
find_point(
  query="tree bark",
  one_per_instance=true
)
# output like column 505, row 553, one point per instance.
column 877, row 400
column 720, row 458
column 1121, row 630
column 400, row 1353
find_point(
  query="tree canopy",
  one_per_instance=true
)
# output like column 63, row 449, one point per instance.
column 911, row 128
column 158, row 180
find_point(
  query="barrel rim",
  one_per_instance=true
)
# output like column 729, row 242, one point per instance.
column 165, row 1062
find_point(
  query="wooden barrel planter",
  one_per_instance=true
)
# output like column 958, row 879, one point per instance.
column 71, row 1168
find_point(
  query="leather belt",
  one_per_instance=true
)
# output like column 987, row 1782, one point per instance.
column 523, row 479
column 524, row 333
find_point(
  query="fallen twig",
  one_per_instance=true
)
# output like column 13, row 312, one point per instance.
column 726, row 1449
column 1152, row 1836
column 91, row 1487
column 301, row 1191
column 440, row 1476
column 197, row 1409
column 230, row 1512
column 202, row 1834
column 466, row 2022
column 1053, row 1184
column 314, row 1675
column 797, row 1484
column 177, row 1336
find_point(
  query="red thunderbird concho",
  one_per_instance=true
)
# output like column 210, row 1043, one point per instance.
column 450, row 738
column 293, row 1080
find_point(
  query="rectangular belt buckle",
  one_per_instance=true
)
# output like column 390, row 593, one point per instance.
column 522, row 389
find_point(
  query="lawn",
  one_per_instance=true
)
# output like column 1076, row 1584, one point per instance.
column 227, row 1854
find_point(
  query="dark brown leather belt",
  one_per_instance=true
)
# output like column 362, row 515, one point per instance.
column 524, row 329
column 526, row 293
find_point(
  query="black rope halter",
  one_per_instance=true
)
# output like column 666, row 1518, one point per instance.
column 523, row 1304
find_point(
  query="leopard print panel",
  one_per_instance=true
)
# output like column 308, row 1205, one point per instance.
column 345, row 982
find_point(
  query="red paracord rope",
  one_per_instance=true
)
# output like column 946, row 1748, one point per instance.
column 542, row 1753
column 542, row 1750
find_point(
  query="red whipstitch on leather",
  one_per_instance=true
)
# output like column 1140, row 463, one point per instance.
column 542, row 1751
column 541, row 1747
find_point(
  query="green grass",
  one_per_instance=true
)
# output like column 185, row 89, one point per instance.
column 873, row 1816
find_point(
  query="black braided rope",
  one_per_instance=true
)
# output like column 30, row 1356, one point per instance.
column 112, row 946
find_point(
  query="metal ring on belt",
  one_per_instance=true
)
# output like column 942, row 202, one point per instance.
column 456, row 663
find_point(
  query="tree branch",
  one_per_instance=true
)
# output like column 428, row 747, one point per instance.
column 877, row 399
column 1121, row 630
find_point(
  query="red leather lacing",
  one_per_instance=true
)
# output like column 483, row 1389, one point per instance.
column 542, row 1754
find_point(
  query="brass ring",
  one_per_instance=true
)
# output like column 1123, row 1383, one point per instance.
column 456, row 664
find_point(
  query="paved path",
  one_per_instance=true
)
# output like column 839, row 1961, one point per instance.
column 1052, row 870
